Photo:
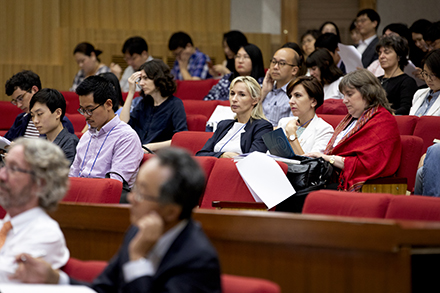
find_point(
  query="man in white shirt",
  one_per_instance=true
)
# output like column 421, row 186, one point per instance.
column 33, row 179
column 367, row 22
column 135, row 51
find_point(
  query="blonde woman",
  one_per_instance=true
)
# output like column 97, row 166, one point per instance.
column 242, row 134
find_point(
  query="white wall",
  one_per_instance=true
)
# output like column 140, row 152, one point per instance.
column 256, row 16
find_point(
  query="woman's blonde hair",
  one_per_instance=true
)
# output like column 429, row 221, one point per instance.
column 254, row 89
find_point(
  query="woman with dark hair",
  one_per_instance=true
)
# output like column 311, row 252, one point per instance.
column 308, row 40
column 426, row 101
column 417, row 29
column 366, row 143
column 321, row 65
column 86, row 57
column 159, row 115
column 306, row 132
column 400, row 87
column 232, row 42
column 248, row 62
column 330, row 27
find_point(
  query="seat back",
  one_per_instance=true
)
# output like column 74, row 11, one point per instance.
column 94, row 190
column 414, row 207
column 192, row 141
column 332, row 106
column 8, row 113
column 2, row 212
column 199, row 107
column 428, row 128
column 333, row 120
column 409, row 159
column 352, row 204
column 406, row 124
column 85, row 271
column 194, row 89
column 196, row 122
column 239, row 284
column 72, row 102
column 78, row 121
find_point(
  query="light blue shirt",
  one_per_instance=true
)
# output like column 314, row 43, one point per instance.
column 276, row 105
column 426, row 105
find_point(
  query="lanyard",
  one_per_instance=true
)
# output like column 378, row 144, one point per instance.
column 306, row 122
column 232, row 137
column 97, row 155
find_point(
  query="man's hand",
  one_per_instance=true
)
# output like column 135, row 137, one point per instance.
column 34, row 270
column 116, row 69
column 151, row 227
column 267, row 85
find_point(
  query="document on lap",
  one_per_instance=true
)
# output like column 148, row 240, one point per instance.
column 265, row 179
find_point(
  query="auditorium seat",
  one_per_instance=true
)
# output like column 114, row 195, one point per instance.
column 238, row 284
column 414, row 207
column 192, row 141
column 428, row 128
column 411, row 152
column 342, row 203
column 406, row 124
column 199, row 107
column 8, row 113
column 82, row 270
column 333, row 120
column 332, row 106
column 207, row 163
column 196, row 122
column 72, row 102
column 194, row 89
column 78, row 121
column 2, row 212
column 94, row 190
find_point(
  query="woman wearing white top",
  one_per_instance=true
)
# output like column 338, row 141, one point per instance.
column 306, row 132
column 321, row 65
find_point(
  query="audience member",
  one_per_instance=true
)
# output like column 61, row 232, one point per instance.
column 190, row 64
column 330, row 42
column 21, row 87
column 330, row 27
column 33, row 179
column 367, row 22
column 248, row 62
column 232, row 42
column 110, row 146
column 302, row 69
column 321, row 66
column 427, row 182
column 164, row 250
column 87, row 58
column 283, row 68
column 244, row 133
column 355, row 36
column 305, row 131
column 366, row 144
column 400, row 87
column 432, row 36
column 47, row 109
column 135, row 50
column 426, row 101
column 417, row 29
column 308, row 41
column 159, row 115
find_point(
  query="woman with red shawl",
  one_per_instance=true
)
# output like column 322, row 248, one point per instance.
column 366, row 143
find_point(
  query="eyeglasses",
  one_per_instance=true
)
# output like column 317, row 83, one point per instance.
column 87, row 111
column 280, row 63
column 426, row 75
column 361, row 20
column 14, row 169
column 432, row 45
column 137, row 197
column 241, row 57
column 19, row 99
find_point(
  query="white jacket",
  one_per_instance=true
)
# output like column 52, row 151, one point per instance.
column 418, row 99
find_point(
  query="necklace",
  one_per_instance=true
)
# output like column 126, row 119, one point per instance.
column 385, row 79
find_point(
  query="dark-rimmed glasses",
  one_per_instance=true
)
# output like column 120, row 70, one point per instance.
column 19, row 99
column 280, row 63
column 138, row 197
column 426, row 75
column 14, row 169
column 87, row 111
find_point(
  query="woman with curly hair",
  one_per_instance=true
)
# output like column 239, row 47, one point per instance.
column 159, row 114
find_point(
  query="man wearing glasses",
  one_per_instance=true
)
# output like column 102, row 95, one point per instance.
column 21, row 87
column 283, row 69
column 110, row 147
column 33, row 179
column 367, row 22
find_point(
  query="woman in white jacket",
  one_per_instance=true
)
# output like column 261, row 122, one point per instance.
column 305, row 131
column 427, row 101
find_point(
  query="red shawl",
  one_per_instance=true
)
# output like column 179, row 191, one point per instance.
column 371, row 149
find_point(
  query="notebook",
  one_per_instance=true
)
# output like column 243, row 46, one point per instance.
column 278, row 145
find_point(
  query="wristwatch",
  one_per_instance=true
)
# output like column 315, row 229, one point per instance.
column 292, row 138
column 331, row 160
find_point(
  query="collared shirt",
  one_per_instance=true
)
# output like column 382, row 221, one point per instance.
column 127, row 73
column 148, row 266
column 114, row 148
column 197, row 66
column 35, row 233
column 364, row 44
column 276, row 105
column 80, row 76
column 426, row 105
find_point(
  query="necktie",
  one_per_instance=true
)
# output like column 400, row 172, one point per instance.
column 4, row 231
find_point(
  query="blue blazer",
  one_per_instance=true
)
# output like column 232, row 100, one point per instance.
column 251, row 140
column 190, row 265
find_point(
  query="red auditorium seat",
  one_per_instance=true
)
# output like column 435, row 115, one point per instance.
column 409, row 159
column 332, row 106
column 352, row 204
column 196, row 122
column 333, row 120
column 428, row 128
column 85, row 271
column 199, row 107
column 94, row 190
column 8, row 113
column 406, row 124
column 192, row 141
column 207, row 163
column 414, row 207
column 194, row 89
column 2, row 212
column 78, row 121
column 72, row 102
column 238, row 284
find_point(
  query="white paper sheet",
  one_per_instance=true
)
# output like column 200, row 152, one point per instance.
column 351, row 57
column 409, row 69
column 4, row 142
column 25, row 288
column 265, row 179
column 220, row 113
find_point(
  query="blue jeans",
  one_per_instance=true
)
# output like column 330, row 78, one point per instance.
column 428, row 177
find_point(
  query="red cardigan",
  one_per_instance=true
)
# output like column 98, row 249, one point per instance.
column 371, row 151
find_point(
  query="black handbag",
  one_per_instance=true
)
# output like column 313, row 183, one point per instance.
column 125, row 188
column 312, row 174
